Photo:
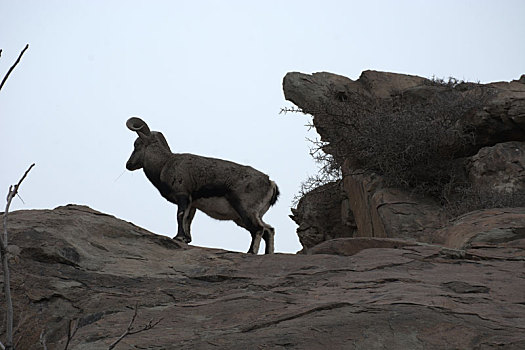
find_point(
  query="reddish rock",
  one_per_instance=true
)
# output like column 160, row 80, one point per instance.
column 351, row 246
column 489, row 226
column 74, row 262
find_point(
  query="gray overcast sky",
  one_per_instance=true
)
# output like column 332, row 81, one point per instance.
column 208, row 75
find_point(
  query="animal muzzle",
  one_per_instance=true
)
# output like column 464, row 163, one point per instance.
column 132, row 166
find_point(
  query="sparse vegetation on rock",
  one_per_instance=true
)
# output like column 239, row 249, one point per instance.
column 413, row 151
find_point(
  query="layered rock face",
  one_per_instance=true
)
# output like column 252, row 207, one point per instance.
column 76, row 263
column 491, row 160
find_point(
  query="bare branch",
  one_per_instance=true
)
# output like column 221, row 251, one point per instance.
column 13, row 66
column 71, row 331
column 43, row 339
column 131, row 331
column 146, row 327
column 13, row 190
column 286, row 110
column 22, row 319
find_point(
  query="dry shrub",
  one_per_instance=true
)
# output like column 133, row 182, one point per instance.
column 467, row 199
column 415, row 139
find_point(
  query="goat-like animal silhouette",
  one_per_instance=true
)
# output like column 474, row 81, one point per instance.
column 224, row 190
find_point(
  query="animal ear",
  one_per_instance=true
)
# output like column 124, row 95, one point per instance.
column 139, row 126
column 162, row 140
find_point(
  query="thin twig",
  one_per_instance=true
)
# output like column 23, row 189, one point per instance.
column 22, row 319
column 43, row 339
column 131, row 331
column 71, row 331
column 286, row 110
column 13, row 190
column 13, row 66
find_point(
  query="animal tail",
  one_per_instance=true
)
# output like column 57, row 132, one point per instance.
column 275, row 194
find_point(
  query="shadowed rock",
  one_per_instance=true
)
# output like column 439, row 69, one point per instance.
column 323, row 214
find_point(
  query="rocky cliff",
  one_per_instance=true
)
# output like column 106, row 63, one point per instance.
column 382, row 265
column 355, row 293
column 476, row 152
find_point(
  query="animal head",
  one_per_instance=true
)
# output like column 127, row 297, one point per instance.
column 145, row 140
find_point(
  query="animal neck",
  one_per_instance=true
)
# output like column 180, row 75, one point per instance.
column 155, row 159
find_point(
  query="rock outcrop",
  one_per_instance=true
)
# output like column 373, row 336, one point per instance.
column 500, row 168
column 491, row 160
column 381, row 211
column 76, row 263
column 323, row 214
column 499, row 226
column 502, row 119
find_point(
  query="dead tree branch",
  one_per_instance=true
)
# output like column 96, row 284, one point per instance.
column 131, row 331
column 13, row 66
column 13, row 190
column 72, row 328
column 43, row 339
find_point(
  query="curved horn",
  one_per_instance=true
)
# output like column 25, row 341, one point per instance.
column 138, row 125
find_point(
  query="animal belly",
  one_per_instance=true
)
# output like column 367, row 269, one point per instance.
column 216, row 207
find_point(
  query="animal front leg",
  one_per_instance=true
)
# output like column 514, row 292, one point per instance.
column 187, row 219
column 183, row 208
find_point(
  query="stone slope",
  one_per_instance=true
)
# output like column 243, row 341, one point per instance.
column 75, row 262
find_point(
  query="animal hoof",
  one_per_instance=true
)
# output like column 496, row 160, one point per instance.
column 182, row 239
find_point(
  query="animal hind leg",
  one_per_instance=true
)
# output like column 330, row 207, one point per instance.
column 256, row 230
column 268, row 236
column 250, row 222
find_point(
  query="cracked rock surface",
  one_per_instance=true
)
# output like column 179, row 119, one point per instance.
column 74, row 262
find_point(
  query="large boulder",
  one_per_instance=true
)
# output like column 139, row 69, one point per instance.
column 500, row 119
column 500, row 168
column 503, row 117
column 317, row 89
column 499, row 226
column 76, row 263
column 323, row 214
